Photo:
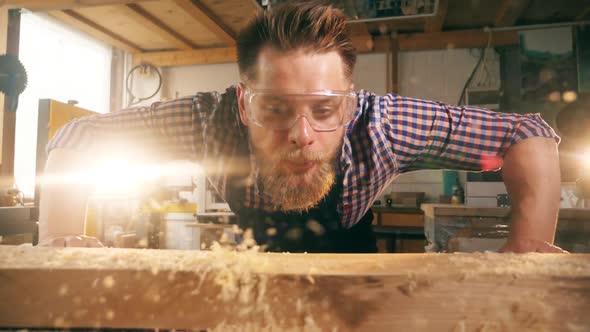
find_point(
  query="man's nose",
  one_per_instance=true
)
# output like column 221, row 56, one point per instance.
column 301, row 133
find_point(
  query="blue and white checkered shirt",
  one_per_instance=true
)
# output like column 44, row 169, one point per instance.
column 389, row 135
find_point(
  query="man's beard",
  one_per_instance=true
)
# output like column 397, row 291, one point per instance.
column 291, row 191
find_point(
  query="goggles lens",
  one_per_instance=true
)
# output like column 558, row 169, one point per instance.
column 324, row 110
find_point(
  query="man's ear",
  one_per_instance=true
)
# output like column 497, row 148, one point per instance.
column 242, row 104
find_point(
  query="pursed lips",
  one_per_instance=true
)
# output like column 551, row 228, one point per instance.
column 301, row 166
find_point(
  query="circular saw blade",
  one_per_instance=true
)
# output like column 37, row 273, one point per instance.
column 13, row 76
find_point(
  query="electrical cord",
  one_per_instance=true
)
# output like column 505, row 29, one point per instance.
column 132, row 98
column 486, row 77
column 462, row 97
column 479, row 62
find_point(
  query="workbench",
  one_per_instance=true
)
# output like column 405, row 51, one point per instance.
column 446, row 226
column 248, row 291
column 16, row 220
column 399, row 229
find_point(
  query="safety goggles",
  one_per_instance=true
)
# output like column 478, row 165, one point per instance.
column 325, row 110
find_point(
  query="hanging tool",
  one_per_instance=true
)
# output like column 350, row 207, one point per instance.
column 13, row 79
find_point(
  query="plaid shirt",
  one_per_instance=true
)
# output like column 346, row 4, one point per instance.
column 389, row 135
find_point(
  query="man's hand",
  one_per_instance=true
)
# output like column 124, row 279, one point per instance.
column 71, row 241
column 529, row 245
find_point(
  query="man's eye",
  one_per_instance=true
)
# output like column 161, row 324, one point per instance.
column 275, row 111
column 323, row 111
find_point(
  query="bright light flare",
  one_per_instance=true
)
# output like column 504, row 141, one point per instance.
column 122, row 176
column 584, row 160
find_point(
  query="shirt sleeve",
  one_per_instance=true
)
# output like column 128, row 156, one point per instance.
column 432, row 135
column 165, row 129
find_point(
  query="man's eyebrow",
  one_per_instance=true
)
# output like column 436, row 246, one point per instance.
column 273, row 99
column 326, row 100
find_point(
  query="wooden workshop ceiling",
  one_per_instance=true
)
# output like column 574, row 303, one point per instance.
column 148, row 26
column 139, row 26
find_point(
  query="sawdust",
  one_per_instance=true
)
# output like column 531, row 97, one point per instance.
column 241, row 277
column 571, row 327
column 108, row 282
column 109, row 314
column 63, row 290
column 271, row 231
column 519, row 264
column 459, row 327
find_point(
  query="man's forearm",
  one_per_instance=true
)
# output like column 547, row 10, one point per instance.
column 63, row 200
column 532, row 177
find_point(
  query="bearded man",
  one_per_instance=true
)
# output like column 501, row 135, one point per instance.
column 300, row 157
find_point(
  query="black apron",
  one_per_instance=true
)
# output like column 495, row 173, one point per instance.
column 318, row 230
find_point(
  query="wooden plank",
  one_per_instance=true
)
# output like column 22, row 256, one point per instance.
column 117, row 80
column 204, row 15
column 402, row 219
column 361, row 38
column 435, row 23
column 431, row 210
column 404, row 25
column 165, row 289
column 153, row 24
column 509, row 12
column 363, row 44
column 376, row 221
column 95, row 30
column 407, row 42
column 3, row 40
column 183, row 58
column 112, row 18
column 388, row 68
column 448, row 39
column 179, row 20
column 394, row 68
column 234, row 13
column 9, row 117
column 47, row 5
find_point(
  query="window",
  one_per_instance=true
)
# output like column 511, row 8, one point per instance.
column 62, row 64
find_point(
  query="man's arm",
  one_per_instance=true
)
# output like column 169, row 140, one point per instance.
column 62, row 207
column 430, row 135
column 532, row 178
column 161, row 133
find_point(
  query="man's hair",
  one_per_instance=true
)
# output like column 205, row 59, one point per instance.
column 310, row 26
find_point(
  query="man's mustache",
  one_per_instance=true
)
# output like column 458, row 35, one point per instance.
column 302, row 156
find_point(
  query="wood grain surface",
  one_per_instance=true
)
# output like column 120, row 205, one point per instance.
column 222, row 290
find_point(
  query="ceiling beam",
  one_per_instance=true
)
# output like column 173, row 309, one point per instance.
column 47, row 5
column 436, row 22
column 363, row 44
column 392, row 66
column 3, row 47
column 3, row 34
column 207, row 18
column 448, row 40
column 94, row 29
column 406, row 42
column 509, row 12
column 152, row 23
column 183, row 58
column 361, row 38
